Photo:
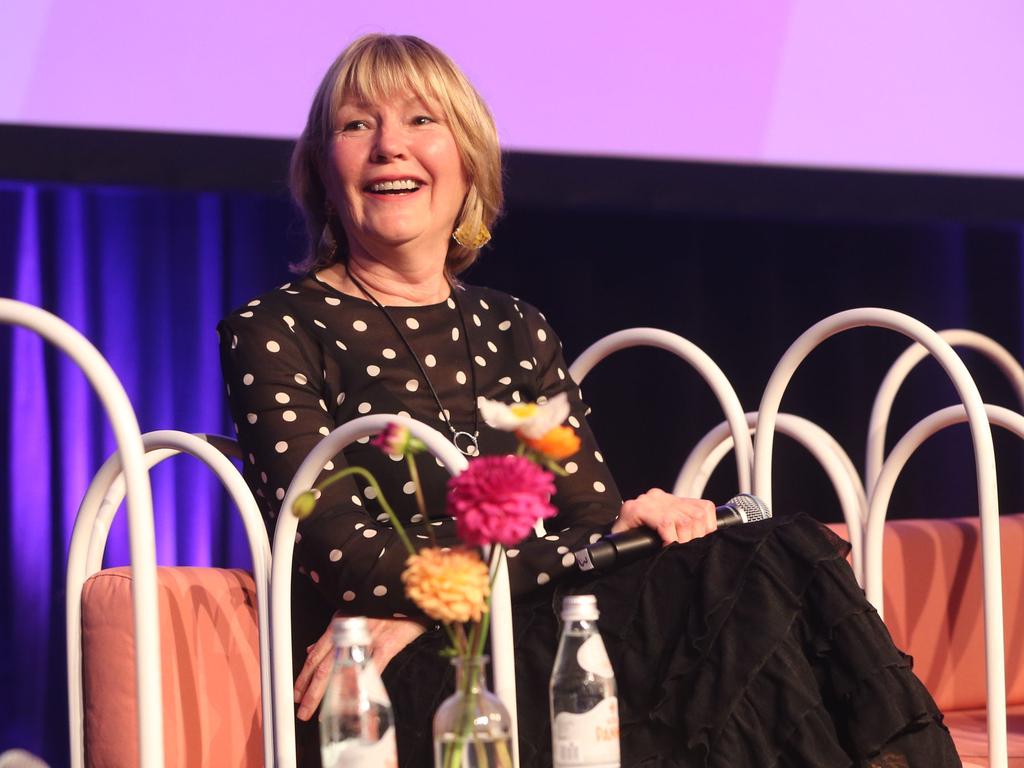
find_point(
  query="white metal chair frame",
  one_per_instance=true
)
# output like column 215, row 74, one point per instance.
column 140, row 515
column 901, row 368
column 984, row 453
column 875, row 537
column 284, row 543
column 714, row 446
column 697, row 359
column 89, row 538
column 893, row 466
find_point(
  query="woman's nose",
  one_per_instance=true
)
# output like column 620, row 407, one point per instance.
column 390, row 142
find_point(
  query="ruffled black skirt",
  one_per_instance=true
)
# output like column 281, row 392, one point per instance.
column 750, row 647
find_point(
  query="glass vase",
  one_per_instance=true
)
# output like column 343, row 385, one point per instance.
column 472, row 727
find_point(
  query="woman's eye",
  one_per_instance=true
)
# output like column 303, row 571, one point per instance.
column 355, row 125
column 423, row 120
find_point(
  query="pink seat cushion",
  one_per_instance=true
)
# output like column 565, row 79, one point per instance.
column 934, row 609
column 210, row 668
column 970, row 733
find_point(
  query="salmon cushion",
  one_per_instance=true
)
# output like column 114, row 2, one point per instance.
column 934, row 607
column 969, row 729
column 210, row 674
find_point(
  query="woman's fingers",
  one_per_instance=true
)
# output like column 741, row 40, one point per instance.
column 391, row 636
column 676, row 520
column 668, row 532
column 318, row 664
column 710, row 515
column 698, row 518
column 689, row 526
column 702, row 514
column 316, row 654
column 315, row 690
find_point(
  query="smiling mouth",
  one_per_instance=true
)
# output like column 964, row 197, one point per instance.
column 394, row 187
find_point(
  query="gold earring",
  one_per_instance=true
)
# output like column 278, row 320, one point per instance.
column 328, row 243
column 328, row 237
column 464, row 236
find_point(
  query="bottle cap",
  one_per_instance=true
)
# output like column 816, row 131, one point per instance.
column 350, row 630
column 580, row 608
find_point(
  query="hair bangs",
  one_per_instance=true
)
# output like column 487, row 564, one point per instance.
column 386, row 68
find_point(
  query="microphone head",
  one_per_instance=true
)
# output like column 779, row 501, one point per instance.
column 751, row 508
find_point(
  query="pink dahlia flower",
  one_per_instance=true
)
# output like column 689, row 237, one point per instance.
column 498, row 499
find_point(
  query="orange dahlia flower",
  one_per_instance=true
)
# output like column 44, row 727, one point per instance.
column 448, row 585
column 558, row 443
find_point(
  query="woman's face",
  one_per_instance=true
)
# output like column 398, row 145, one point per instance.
column 395, row 175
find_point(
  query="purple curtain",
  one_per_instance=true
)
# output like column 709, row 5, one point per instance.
column 142, row 274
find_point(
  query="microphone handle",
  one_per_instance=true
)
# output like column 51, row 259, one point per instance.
column 622, row 548
column 632, row 544
column 728, row 514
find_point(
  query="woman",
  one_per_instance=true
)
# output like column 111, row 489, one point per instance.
column 749, row 647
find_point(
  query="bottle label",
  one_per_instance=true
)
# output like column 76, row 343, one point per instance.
column 355, row 753
column 593, row 657
column 589, row 739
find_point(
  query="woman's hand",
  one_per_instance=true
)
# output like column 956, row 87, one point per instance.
column 676, row 520
column 388, row 636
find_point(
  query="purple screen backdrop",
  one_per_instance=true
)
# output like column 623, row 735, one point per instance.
column 911, row 85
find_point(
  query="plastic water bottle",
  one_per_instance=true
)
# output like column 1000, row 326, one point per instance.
column 584, row 707
column 357, row 728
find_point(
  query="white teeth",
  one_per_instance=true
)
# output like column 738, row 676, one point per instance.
column 386, row 186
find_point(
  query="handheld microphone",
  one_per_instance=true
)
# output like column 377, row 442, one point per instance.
column 620, row 548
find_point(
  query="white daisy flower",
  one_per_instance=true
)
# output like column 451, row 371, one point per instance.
column 528, row 419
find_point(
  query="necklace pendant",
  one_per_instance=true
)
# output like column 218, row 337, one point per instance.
column 467, row 443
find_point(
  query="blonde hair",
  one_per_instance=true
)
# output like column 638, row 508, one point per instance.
column 375, row 68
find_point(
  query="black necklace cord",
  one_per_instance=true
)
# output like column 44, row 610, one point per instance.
column 471, row 440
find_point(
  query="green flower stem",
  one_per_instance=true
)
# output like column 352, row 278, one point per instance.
column 474, row 629
column 496, row 552
column 504, row 754
column 481, row 755
column 451, row 634
column 453, row 753
column 414, row 473
column 453, row 759
column 380, row 497
column 484, row 625
column 461, row 643
column 554, row 467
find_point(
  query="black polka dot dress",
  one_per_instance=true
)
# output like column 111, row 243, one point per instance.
column 752, row 646
column 305, row 358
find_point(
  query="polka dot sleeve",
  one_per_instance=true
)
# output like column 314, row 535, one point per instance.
column 588, row 500
column 279, row 403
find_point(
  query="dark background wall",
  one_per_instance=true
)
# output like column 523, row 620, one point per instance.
column 744, row 288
